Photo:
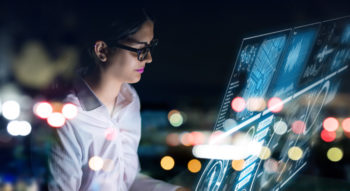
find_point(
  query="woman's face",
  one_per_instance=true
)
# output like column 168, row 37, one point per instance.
column 124, row 63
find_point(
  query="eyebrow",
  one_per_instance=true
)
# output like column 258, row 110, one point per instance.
column 137, row 42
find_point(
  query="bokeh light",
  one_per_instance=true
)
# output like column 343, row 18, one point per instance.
column 194, row 165
column 198, row 138
column 328, row 136
column 22, row 128
column 11, row 110
column 265, row 153
column 238, row 104
column 256, row 104
column 334, row 154
column 172, row 139
column 238, row 165
column 69, row 110
column 271, row 165
column 330, row 124
column 229, row 124
column 42, row 109
column 214, row 135
column 167, row 163
column 298, row 127
column 110, row 133
column 275, row 104
column 56, row 119
column 346, row 125
column 96, row 163
column 295, row 153
column 175, row 118
column 280, row 127
column 187, row 139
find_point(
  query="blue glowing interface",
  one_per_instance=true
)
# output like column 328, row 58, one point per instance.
column 302, row 67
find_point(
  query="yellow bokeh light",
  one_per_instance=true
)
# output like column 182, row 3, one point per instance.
column 238, row 165
column 265, row 153
column 335, row 154
column 295, row 153
column 167, row 162
column 96, row 163
column 194, row 165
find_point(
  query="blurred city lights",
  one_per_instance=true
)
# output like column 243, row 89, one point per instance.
column 238, row 165
column 271, row 165
column 275, row 104
column 280, row 127
column 187, row 139
column 256, row 104
column 265, row 153
column 198, row 138
column 229, row 124
column 42, row 109
column 238, row 104
column 22, row 128
column 346, row 125
column 69, row 110
column 11, row 110
column 175, row 118
column 172, row 139
column 334, row 154
column 56, row 119
column 194, row 165
column 295, row 153
column 215, row 134
column 328, row 136
column 298, row 127
column 330, row 124
column 96, row 163
column 167, row 163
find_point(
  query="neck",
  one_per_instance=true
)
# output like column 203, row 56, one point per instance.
column 105, row 87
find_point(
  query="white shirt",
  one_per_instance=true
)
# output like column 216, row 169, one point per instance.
column 93, row 132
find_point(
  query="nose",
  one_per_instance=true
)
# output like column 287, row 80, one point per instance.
column 148, row 57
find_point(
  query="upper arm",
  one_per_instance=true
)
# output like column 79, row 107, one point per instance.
column 65, row 160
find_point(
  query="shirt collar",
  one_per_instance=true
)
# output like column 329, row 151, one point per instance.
column 89, row 101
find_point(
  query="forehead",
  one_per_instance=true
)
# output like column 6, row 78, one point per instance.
column 145, row 33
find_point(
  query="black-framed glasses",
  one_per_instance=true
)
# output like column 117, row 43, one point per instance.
column 141, row 52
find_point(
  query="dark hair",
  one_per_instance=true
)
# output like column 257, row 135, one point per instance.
column 115, row 25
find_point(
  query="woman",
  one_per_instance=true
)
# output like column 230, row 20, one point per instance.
column 97, row 150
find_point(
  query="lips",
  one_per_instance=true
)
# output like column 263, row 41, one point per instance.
column 140, row 70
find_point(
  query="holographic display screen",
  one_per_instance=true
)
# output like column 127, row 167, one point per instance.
column 301, row 68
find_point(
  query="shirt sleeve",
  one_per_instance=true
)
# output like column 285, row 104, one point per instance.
column 64, row 160
column 146, row 183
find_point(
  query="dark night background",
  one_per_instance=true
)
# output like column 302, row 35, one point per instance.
column 198, row 44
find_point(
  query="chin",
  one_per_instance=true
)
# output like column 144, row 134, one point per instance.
column 133, row 81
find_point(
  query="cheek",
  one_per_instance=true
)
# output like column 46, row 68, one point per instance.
column 123, row 65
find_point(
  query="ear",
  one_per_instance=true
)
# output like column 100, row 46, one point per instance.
column 101, row 50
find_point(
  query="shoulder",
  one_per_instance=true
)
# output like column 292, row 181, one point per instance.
column 71, row 98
